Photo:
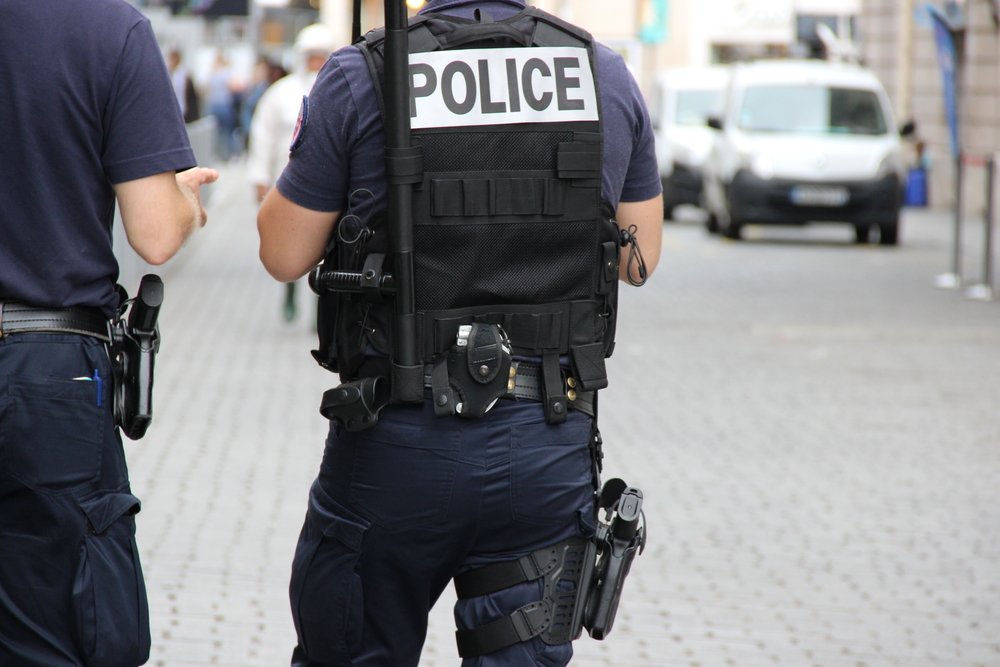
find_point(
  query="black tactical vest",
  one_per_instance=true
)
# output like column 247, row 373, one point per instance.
column 509, row 223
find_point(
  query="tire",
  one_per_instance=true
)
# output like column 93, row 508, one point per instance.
column 861, row 233
column 711, row 224
column 733, row 230
column 888, row 233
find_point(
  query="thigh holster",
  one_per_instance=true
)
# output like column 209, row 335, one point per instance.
column 567, row 569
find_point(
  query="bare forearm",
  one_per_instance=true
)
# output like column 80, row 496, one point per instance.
column 647, row 219
column 159, row 212
column 292, row 238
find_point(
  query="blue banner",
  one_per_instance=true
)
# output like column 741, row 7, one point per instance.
column 944, row 38
column 654, row 23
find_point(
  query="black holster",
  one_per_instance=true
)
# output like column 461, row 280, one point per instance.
column 134, row 344
column 356, row 405
column 618, row 542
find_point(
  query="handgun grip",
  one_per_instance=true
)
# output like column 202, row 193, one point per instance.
column 146, row 307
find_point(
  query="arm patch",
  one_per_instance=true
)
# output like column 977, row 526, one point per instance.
column 300, row 125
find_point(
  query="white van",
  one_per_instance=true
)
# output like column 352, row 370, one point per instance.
column 684, row 98
column 805, row 141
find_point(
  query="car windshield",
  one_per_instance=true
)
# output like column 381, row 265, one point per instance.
column 694, row 106
column 811, row 110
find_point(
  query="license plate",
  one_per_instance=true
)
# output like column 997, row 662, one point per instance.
column 818, row 195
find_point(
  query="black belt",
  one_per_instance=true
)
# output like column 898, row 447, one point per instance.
column 528, row 386
column 19, row 318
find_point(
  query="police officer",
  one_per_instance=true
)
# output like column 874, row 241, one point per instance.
column 519, row 147
column 274, row 120
column 89, row 117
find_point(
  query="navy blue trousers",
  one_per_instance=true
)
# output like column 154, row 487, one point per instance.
column 398, row 510
column 71, row 588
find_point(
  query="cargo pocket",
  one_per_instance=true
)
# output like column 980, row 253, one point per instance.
column 109, row 596
column 325, row 590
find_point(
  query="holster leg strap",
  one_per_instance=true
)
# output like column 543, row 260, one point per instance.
column 567, row 569
column 498, row 576
column 529, row 621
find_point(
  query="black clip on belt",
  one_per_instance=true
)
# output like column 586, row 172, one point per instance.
column 19, row 318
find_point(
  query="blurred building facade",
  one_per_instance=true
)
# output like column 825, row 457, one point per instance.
column 893, row 37
column 898, row 43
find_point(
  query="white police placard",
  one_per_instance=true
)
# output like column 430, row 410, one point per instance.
column 501, row 87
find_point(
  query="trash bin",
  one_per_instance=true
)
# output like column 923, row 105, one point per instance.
column 916, row 187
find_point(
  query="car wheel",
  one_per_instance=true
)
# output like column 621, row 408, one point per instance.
column 712, row 224
column 733, row 230
column 888, row 232
column 861, row 233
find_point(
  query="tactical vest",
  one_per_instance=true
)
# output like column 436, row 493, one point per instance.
column 509, row 223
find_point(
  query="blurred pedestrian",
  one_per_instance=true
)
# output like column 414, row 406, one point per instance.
column 184, row 88
column 94, row 122
column 260, row 80
column 221, row 102
column 274, row 121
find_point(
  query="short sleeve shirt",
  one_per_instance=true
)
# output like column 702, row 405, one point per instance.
column 337, row 161
column 85, row 102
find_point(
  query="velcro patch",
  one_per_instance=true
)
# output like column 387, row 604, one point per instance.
column 300, row 124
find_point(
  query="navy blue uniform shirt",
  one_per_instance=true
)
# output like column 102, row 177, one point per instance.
column 85, row 101
column 340, row 146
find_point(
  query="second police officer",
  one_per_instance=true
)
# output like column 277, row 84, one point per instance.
column 537, row 169
column 90, row 121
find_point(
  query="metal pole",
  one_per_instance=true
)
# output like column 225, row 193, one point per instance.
column 984, row 290
column 953, row 280
column 990, row 203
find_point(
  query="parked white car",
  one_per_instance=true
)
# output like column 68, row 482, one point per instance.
column 684, row 98
column 805, row 141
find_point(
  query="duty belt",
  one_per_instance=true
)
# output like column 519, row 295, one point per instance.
column 20, row 318
column 527, row 385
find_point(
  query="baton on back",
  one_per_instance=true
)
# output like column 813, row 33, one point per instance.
column 404, row 167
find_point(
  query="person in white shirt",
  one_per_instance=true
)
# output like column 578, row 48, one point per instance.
column 274, row 120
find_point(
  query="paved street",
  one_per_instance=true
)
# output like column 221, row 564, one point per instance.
column 816, row 429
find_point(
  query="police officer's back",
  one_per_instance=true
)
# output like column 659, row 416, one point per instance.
column 525, row 152
column 89, row 118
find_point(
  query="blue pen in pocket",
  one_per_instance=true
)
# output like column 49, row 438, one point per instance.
column 100, row 387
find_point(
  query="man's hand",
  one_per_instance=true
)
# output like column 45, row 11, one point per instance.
column 190, row 182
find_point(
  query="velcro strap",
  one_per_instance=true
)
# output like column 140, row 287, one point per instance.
column 529, row 621
column 547, row 328
column 589, row 367
column 498, row 576
column 556, row 402
column 470, row 197
column 404, row 165
column 444, row 395
column 579, row 159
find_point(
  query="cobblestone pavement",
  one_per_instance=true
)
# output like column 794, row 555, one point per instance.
column 815, row 427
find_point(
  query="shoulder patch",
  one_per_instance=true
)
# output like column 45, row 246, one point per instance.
column 300, row 125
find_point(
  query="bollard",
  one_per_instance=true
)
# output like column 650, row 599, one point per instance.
column 953, row 280
column 983, row 291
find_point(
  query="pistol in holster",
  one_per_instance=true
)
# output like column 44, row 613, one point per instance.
column 618, row 540
column 135, row 340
